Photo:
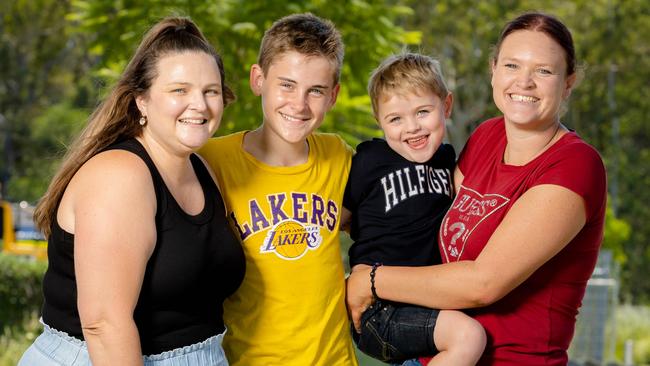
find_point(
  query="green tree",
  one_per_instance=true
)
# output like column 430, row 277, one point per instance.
column 236, row 28
column 41, row 66
column 607, row 108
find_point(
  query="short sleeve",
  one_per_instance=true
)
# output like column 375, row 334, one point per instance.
column 579, row 168
column 482, row 144
column 353, row 189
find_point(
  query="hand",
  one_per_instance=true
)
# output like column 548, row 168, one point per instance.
column 358, row 296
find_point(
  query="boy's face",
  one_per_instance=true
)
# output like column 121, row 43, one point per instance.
column 296, row 93
column 414, row 123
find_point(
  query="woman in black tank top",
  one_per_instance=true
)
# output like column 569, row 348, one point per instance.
column 140, row 253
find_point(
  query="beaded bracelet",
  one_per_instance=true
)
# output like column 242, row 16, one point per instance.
column 372, row 279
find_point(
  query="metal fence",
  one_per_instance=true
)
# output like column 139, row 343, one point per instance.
column 595, row 337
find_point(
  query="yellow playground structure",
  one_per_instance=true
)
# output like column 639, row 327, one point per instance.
column 18, row 233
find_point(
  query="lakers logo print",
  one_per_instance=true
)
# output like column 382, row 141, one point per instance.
column 291, row 239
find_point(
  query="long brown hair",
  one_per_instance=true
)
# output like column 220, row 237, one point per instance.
column 116, row 118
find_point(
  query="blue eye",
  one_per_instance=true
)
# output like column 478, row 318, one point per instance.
column 316, row 91
column 422, row 112
column 510, row 66
column 179, row 91
column 545, row 71
column 213, row 92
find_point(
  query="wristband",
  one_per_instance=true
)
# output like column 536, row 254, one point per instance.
column 372, row 279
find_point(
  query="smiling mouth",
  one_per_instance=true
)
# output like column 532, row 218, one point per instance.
column 417, row 142
column 193, row 121
column 523, row 98
column 292, row 119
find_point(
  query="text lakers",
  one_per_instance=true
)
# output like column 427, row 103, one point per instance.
column 293, row 220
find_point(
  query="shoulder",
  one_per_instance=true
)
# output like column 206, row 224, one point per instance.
column 221, row 148
column 446, row 152
column 222, row 142
column 374, row 146
column 115, row 165
column 114, row 177
column 489, row 127
column 573, row 150
column 366, row 153
column 482, row 144
column 330, row 144
column 577, row 166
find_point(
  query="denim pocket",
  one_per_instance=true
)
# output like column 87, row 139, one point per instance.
column 375, row 327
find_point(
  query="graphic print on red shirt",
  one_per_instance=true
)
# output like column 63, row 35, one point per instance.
column 472, row 208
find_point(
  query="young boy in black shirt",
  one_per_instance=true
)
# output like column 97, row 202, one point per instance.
column 397, row 193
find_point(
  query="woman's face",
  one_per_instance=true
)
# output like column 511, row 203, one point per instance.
column 184, row 103
column 529, row 80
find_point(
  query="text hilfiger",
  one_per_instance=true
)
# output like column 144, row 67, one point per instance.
column 405, row 183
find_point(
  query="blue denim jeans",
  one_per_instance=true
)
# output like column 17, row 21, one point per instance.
column 394, row 332
column 411, row 362
column 55, row 348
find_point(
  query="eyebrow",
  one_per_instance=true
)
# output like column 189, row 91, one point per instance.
column 184, row 83
column 295, row 82
column 519, row 60
column 432, row 105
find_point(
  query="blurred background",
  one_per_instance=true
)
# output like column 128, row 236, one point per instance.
column 58, row 58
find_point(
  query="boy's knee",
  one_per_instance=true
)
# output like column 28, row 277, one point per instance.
column 472, row 337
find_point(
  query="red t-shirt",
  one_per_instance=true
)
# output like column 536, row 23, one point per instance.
column 534, row 323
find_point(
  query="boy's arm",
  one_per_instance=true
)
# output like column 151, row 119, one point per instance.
column 346, row 218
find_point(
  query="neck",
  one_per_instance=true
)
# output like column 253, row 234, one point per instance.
column 525, row 145
column 174, row 168
column 274, row 151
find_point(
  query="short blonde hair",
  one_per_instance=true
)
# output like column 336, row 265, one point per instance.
column 405, row 73
column 306, row 34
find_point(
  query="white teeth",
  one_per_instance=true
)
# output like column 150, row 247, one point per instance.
column 415, row 140
column 290, row 118
column 523, row 98
column 192, row 121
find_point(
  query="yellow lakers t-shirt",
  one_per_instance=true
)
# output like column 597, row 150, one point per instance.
column 290, row 308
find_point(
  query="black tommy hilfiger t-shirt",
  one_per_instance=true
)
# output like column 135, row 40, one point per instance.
column 397, row 205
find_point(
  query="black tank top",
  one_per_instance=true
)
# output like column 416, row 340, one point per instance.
column 197, row 262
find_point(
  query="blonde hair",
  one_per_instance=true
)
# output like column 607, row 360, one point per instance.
column 405, row 73
column 304, row 33
column 116, row 118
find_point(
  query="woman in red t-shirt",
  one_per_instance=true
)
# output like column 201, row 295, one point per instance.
column 523, row 233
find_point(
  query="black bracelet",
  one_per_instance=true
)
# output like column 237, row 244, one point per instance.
column 372, row 279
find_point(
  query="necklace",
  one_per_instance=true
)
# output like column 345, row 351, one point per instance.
column 506, row 155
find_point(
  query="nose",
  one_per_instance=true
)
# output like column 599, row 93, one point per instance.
column 299, row 101
column 412, row 125
column 197, row 101
column 525, row 79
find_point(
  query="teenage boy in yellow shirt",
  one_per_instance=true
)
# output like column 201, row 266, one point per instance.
column 283, row 187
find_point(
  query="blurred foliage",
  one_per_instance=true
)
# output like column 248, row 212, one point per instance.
column 20, row 289
column 57, row 58
column 236, row 28
column 633, row 323
column 14, row 339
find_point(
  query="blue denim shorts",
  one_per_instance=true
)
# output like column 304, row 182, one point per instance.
column 55, row 348
column 394, row 332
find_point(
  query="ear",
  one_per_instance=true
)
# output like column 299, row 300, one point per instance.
column 568, row 85
column 448, row 104
column 493, row 68
column 256, row 79
column 335, row 94
column 141, row 102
